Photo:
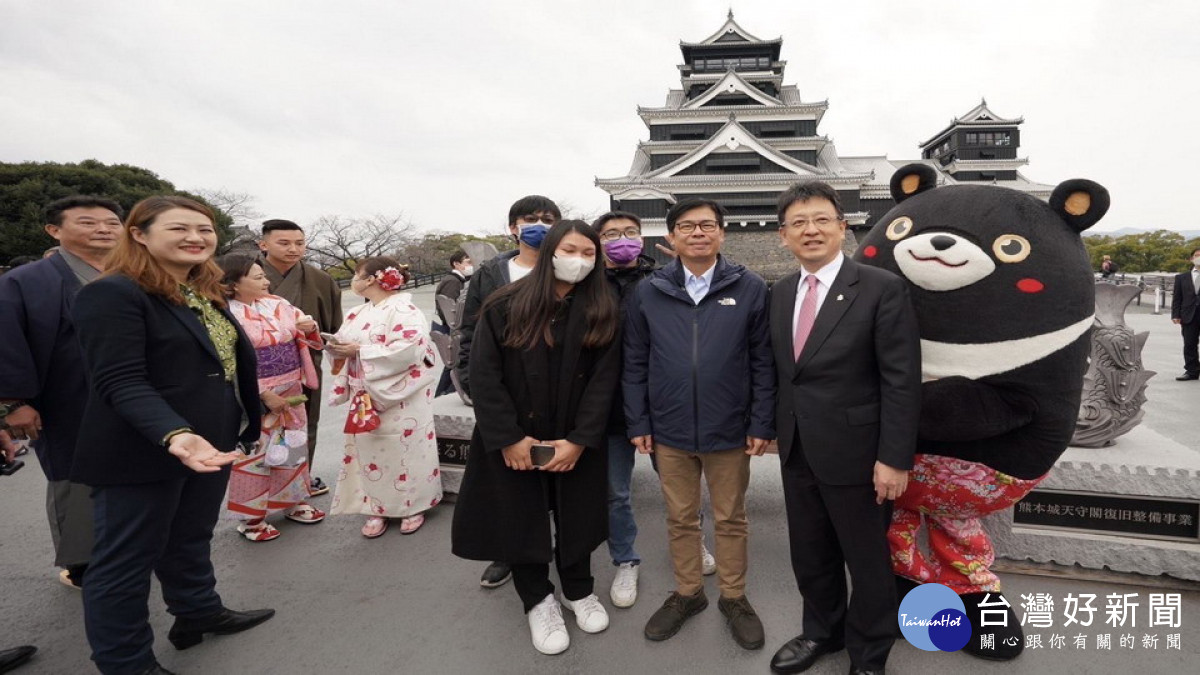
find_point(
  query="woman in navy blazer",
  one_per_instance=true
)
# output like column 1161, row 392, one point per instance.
column 172, row 391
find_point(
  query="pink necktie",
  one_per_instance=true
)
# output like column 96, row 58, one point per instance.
column 807, row 316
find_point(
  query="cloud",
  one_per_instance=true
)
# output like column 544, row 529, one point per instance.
column 449, row 111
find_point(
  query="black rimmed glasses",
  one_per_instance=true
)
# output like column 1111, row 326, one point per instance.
column 689, row 226
column 628, row 233
column 532, row 218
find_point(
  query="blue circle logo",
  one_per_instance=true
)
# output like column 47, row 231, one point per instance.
column 932, row 617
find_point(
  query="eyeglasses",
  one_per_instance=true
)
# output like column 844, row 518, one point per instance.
column 821, row 222
column 531, row 218
column 689, row 226
column 613, row 235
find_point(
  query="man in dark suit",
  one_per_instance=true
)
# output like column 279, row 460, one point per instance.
column 847, row 356
column 42, row 385
column 1183, row 312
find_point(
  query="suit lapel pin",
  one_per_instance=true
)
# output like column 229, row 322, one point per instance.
column 840, row 297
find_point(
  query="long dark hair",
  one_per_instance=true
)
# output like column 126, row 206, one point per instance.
column 533, row 301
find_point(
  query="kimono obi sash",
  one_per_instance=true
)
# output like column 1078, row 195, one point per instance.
column 276, row 360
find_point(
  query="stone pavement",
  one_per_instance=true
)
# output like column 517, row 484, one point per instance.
column 404, row 604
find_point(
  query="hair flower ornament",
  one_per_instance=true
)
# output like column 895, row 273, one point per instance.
column 389, row 278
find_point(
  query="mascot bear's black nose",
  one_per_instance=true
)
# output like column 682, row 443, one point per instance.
column 942, row 242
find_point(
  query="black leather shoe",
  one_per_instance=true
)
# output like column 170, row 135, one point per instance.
column 744, row 623
column 861, row 671
column 156, row 669
column 1188, row 376
column 799, row 654
column 496, row 575
column 669, row 618
column 189, row 632
column 11, row 658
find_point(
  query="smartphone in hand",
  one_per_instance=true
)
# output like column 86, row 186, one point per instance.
column 541, row 454
column 330, row 338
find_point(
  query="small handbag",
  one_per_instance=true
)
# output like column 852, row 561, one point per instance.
column 363, row 417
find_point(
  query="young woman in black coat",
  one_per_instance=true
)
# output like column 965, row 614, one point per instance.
column 544, row 366
column 172, row 390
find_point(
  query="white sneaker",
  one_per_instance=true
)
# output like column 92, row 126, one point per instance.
column 590, row 615
column 708, row 564
column 547, row 628
column 624, row 586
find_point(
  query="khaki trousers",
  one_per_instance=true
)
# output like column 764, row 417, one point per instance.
column 728, row 475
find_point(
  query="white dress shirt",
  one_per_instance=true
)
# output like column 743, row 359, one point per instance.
column 825, row 277
column 697, row 286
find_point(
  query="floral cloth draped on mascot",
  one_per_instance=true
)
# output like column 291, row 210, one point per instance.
column 1005, row 299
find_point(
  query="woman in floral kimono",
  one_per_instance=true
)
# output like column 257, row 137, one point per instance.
column 276, row 478
column 386, row 367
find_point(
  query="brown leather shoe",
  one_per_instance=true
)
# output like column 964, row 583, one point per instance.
column 744, row 623
column 671, row 616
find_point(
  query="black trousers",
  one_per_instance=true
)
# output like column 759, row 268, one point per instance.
column 312, row 407
column 533, row 584
column 532, row 580
column 831, row 528
column 1191, row 342
column 164, row 528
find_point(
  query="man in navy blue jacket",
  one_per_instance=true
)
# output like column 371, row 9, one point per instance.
column 699, row 387
column 42, row 386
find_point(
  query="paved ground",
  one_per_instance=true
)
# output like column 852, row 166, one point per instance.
column 406, row 605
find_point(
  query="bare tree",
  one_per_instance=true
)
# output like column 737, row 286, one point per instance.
column 237, row 205
column 338, row 241
column 572, row 212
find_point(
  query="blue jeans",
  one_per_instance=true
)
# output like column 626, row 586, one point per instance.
column 622, row 530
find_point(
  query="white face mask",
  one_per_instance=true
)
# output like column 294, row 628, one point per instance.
column 468, row 270
column 1196, row 261
column 572, row 269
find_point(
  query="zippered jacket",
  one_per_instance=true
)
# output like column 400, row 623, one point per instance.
column 699, row 377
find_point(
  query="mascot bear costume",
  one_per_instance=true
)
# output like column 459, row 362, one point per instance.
column 1005, row 299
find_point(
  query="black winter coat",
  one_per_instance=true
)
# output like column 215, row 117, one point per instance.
column 491, row 275
column 501, row 514
column 623, row 280
column 152, row 369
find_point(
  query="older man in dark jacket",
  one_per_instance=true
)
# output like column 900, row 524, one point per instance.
column 42, row 385
column 699, row 388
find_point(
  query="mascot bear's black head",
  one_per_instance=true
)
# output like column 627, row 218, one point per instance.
column 999, row 278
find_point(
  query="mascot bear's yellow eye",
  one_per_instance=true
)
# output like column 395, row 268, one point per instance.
column 899, row 228
column 1011, row 248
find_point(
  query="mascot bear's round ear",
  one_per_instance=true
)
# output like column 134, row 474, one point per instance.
column 912, row 179
column 1080, row 202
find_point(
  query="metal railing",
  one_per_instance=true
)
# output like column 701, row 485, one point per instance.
column 1160, row 284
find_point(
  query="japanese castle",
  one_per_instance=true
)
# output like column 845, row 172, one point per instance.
column 735, row 133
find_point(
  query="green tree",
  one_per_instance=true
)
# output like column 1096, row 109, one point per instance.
column 26, row 188
column 1157, row 251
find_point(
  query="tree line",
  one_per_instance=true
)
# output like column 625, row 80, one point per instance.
column 1157, row 251
column 336, row 242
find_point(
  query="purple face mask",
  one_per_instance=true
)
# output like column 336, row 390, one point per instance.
column 623, row 251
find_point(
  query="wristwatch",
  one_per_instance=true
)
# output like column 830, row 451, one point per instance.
column 7, row 407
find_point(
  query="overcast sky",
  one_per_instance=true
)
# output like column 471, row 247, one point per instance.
column 449, row 111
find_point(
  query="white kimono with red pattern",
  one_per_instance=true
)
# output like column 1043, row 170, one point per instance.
column 392, row 471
